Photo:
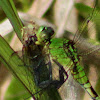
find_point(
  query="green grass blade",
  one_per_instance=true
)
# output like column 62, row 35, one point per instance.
column 10, row 11
column 13, row 62
column 15, row 91
column 83, row 8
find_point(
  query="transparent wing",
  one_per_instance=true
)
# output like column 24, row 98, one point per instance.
column 83, row 28
column 89, row 26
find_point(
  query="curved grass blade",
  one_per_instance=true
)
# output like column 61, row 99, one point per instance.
column 16, row 91
column 10, row 11
column 13, row 63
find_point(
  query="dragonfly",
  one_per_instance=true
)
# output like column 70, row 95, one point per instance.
column 41, row 49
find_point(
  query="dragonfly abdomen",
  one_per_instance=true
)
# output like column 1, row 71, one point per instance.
column 80, row 76
column 78, row 71
column 65, row 52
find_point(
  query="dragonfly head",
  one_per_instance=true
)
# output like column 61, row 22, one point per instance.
column 44, row 34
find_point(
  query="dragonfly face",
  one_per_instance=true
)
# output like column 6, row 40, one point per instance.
column 44, row 34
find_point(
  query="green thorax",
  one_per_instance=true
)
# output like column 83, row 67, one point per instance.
column 64, row 51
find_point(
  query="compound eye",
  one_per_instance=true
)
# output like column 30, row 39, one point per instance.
column 50, row 31
column 44, row 28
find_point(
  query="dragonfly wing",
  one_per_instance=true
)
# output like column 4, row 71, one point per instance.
column 94, row 17
column 93, row 21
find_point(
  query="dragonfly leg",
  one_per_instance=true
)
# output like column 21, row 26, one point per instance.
column 50, row 71
column 61, row 74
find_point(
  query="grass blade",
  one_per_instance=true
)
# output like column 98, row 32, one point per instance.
column 10, row 11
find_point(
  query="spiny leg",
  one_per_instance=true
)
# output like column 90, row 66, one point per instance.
column 61, row 74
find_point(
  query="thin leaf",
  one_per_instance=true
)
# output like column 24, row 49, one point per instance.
column 13, row 62
column 15, row 91
column 10, row 11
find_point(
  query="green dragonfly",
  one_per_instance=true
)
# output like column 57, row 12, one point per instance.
column 40, row 49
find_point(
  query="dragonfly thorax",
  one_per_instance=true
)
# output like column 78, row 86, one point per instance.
column 64, row 51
